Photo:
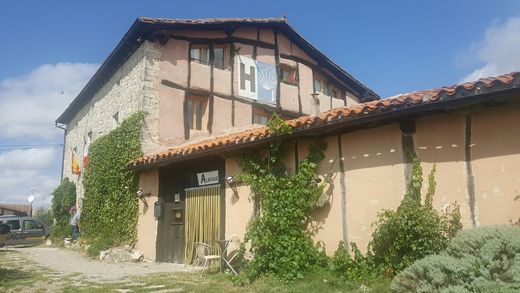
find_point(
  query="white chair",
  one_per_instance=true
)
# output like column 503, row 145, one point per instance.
column 204, row 255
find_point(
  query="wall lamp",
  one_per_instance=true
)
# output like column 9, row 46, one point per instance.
column 141, row 195
column 233, row 182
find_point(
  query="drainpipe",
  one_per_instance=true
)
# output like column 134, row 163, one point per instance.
column 61, row 126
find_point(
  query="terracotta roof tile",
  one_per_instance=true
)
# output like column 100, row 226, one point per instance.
column 403, row 101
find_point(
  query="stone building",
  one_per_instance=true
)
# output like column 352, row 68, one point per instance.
column 209, row 86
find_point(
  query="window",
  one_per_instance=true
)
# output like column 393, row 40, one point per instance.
column 260, row 117
column 334, row 92
column 218, row 52
column 13, row 224
column 31, row 225
column 200, row 53
column 320, row 84
column 197, row 112
column 289, row 75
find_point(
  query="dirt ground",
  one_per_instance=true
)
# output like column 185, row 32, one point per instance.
column 66, row 261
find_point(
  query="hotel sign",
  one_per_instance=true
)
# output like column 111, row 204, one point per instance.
column 257, row 80
column 207, row 178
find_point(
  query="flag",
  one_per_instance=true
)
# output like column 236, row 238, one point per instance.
column 85, row 155
column 75, row 165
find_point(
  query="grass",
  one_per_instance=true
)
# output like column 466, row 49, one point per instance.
column 19, row 274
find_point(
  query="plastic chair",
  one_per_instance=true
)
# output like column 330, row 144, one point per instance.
column 204, row 255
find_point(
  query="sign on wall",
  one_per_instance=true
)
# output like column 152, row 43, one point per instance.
column 257, row 80
column 207, row 178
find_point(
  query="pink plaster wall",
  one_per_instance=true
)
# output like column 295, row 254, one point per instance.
column 245, row 33
column 267, row 35
column 222, row 81
column 174, row 62
column 200, row 76
column 265, row 55
column 212, row 34
column 289, row 97
column 306, row 89
column 223, row 112
column 243, row 113
column 171, row 116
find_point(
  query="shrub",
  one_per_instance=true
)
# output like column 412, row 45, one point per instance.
column 415, row 229
column 485, row 259
column 63, row 197
column 356, row 269
column 110, row 207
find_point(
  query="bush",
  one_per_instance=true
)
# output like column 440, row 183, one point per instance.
column 63, row 197
column 357, row 269
column 485, row 259
column 414, row 230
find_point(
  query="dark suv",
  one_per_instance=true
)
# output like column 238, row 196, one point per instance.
column 24, row 230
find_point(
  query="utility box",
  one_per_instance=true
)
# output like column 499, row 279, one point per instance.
column 158, row 209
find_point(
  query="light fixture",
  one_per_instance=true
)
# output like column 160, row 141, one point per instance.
column 141, row 195
column 232, row 182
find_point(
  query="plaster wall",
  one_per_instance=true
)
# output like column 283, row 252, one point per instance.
column 146, row 223
column 306, row 89
column 174, row 62
column 171, row 116
column 240, row 206
column 495, row 150
column 208, row 34
column 200, row 76
column 289, row 97
column 374, row 177
column 222, row 121
column 243, row 114
column 440, row 140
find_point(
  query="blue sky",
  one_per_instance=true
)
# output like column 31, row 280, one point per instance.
column 49, row 49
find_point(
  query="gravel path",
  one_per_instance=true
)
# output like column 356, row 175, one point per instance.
column 67, row 262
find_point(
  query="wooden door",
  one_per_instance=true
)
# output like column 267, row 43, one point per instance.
column 172, row 230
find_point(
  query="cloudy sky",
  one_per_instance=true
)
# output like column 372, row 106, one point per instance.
column 49, row 50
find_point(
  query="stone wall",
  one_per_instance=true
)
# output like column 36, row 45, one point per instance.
column 130, row 89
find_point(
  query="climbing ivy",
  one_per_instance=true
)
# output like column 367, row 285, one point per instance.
column 63, row 198
column 110, row 207
column 279, row 238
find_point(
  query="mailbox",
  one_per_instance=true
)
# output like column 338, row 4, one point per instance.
column 158, row 209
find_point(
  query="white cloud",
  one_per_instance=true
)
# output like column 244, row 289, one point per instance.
column 498, row 51
column 29, row 105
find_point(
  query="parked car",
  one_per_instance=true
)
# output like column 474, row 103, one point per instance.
column 4, row 233
column 24, row 230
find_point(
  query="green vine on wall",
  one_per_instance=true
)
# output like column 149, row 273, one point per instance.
column 279, row 238
column 110, row 207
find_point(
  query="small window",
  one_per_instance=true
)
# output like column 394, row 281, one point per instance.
column 334, row 92
column 200, row 53
column 260, row 117
column 218, row 52
column 289, row 75
column 320, row 84
column 197, row 112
